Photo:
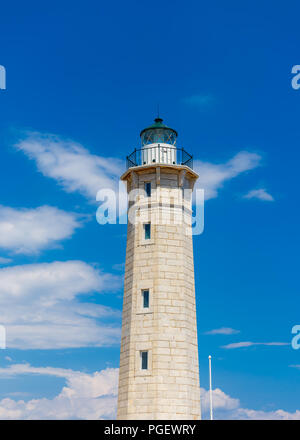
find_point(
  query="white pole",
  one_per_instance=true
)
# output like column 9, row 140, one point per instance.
column 210, row 389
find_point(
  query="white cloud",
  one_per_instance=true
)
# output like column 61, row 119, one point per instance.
column 260, row 194
column 222, row 331
column 279, row 414
column 213, row 176
column 85, row 396
column 40, row 309
column 220, row 400
column 227, row 408
column 94, row 396
column 28, row 231
column 71, row 165
column 250, row 344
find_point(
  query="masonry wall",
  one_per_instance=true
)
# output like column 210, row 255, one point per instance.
column 170, row 388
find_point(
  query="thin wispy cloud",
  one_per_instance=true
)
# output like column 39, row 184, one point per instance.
column 222, row 331
column 260, row 194
column 4, row 261
column 212, row 177
column 119, row 267
column 28, row 231
column 244, row 344
column 201, row 101
column 70, row 164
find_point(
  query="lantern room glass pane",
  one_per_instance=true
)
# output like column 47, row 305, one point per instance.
column 157, row 136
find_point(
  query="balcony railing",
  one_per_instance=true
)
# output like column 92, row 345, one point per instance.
column 160, row 154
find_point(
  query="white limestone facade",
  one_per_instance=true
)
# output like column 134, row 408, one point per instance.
column 162, row 264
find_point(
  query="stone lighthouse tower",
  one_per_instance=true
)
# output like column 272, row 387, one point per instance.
column 159, row 373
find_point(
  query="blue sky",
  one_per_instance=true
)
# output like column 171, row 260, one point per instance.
column 82, row 81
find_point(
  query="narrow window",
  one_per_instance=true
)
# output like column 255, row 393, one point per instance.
column 147, row 228
column 144, row 360
column 148, row 189
column 145, row 294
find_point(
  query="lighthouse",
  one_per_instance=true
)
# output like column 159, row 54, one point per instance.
column 159, row 372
